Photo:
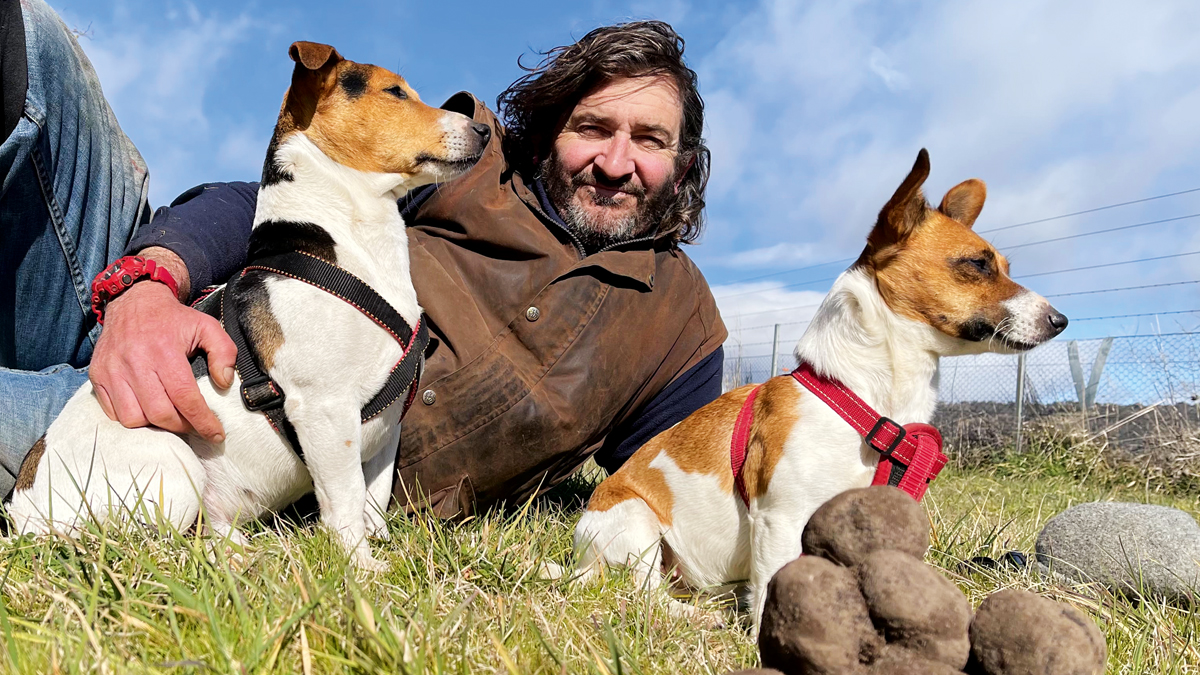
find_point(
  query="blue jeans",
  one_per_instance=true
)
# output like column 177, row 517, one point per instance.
column 73, row 193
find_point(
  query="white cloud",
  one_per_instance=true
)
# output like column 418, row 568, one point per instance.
column 881, row 65
column 781, row 253
column 1058, row 106
column 750, row 312
column 157, row 67
column 730, row 121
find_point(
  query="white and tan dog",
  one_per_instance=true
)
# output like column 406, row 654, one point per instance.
column 925, row 287
column 351, row 139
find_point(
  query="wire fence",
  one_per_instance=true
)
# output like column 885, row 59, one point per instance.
column 1135, row 394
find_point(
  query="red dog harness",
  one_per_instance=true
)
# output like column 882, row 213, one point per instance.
column 910, row 455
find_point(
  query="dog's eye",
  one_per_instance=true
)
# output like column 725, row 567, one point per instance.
column 983, row 265
column 396, row 91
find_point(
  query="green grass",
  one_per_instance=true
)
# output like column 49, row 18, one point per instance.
column 466, row 597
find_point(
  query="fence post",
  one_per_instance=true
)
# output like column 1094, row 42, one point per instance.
column 1097, row 370
column 1077, row 375
column 1020, row 396
column 774, row 354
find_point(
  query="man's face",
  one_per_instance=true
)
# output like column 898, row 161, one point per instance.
column 611, row 173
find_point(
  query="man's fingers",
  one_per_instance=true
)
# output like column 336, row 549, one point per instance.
column 160, row 411
column 186, row 398
column 125, row 406
column 105, row 402
column 222, row 353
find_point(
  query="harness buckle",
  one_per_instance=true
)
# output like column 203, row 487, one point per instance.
column 260, row 394
column 901, row 432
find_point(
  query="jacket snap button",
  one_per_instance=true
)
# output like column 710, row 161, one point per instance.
column 533, row 314
column 429, row 397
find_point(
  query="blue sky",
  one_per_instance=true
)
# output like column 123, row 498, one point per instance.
column 816, row 111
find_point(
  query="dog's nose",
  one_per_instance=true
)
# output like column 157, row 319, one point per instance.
column 1058, row 321
column 484, row 131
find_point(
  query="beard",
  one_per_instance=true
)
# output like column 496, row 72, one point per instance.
column 612, row 223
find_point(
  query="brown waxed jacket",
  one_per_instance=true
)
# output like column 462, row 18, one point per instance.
column 540, row 353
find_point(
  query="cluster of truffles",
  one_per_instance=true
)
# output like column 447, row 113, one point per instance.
column 862, row 602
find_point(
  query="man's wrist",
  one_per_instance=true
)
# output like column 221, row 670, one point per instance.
column 167, row 259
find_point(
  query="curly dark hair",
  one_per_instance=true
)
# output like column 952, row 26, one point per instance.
column 535, row 106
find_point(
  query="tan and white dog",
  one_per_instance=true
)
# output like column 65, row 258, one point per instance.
column 351, row 139
column 925, row 287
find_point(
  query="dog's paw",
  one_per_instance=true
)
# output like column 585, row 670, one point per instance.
column 710, row 619
column 229, row 543
column 235, row 554
column 551, row 571
column 369, row 563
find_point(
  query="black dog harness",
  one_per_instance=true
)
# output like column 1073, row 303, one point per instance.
column 262, row 394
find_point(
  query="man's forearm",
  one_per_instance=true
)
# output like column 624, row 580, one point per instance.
column 207, row 228
column 173, row 264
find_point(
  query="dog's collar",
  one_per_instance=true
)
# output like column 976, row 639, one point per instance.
column 910, row 455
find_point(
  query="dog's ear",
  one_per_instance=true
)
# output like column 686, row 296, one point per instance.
column 313, row 55
column 311, row 78
column 964, row 201
column 905, row 210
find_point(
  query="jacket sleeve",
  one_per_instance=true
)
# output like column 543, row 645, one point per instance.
column 208, row 227
column 689, row 392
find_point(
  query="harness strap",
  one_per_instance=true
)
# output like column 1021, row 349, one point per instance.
column 332, row 279
column 262, row 394
column 259, row 392
column 910, row 455
column 740, row 443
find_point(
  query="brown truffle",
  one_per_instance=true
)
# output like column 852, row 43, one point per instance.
column 1017, row 632
column 899, row 661
column 915, row 607
column 815, row 621
column 857, row 522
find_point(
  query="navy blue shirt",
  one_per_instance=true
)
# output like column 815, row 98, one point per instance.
column 208, row 227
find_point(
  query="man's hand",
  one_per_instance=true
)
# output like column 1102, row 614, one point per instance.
column 140, row 368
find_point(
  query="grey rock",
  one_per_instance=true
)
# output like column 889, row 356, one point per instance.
column 1132, row 548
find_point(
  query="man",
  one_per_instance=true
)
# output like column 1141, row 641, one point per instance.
column 566, row 319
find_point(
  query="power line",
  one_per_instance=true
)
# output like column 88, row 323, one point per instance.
column 779, row 309
column 1111, row 229
column 754, row 344
column 1009, row 227
column 1153, row 335
column 1130, row 316
column 1094, row 267
column 1125, row 288
column 796, row 269
column 1098, row 208
column 1023, row 276
column 777, row 288
column 1086, row 318
column 771, row 325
